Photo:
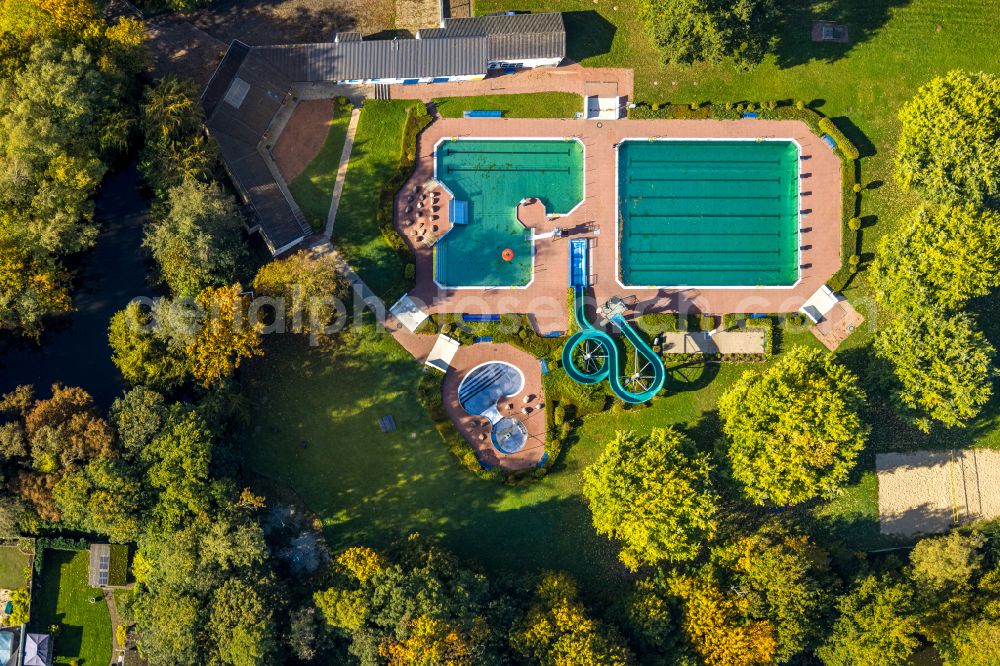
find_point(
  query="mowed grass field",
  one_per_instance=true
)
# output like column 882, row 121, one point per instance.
column 63, row 597
column 375, row 158
column 531, row 105
column 313, row 188
column 13, row 564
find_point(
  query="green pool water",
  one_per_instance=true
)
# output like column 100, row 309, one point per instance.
column 708, row 213
column 493, row 177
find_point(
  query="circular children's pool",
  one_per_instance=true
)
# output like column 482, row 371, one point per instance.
column 481, row 390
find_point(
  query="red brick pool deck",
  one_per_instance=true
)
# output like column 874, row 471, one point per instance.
column 545, row 298
column 476, row 429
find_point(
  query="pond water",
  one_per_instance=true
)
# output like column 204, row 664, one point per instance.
column 74, row 349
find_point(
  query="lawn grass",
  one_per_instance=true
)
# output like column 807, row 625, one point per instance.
column 62, row 597
column 375, row 160
column 531, row 105
column 313, row 188
column 317, row 434
column 13, row 564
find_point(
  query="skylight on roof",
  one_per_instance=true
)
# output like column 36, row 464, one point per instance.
column 237, row 92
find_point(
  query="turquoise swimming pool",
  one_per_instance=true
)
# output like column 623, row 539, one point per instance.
column 708, row 213
column 492, row 177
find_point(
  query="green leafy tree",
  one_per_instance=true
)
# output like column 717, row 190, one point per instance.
column 142, row 354
column 943, row 365
column 974, row 643
column 242, row 624
column 138, row 416
column 306, row 288
column 196, row 238
column 875, row 626
column 557, row 629
column 689, row 31
column 945, row 571
column 949, row 143
column 106, row 497
column 794, row 430
column 943, row 255
column 782, row 578
column 654, row 495
column 175, row 148
column 178, row 460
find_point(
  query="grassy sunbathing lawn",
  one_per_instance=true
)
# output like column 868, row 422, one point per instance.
column 375, row 162
column 532, row 105
column 313, row 187
column 13, row 564
column 317, row 434
column 63, row 598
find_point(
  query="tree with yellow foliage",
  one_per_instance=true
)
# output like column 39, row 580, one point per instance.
column 30, row 289
column 558, row 631
column 653, row 494
column 226, row 338
column 717, row 626
column 430, row 642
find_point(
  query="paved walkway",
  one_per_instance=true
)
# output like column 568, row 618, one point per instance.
column 596, row 220
column 603, row 82
column 345, row 158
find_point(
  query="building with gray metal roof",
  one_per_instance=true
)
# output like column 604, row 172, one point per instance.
column 253, row 83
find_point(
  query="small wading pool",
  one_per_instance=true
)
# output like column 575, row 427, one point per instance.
column 699, row 213
column 492, row 177
column 481, row 390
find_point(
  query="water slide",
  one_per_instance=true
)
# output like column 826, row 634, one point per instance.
column 598, row 351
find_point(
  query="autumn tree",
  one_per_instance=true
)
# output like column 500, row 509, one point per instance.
column 690, row 31
column 875, row 625
column 949, row 142
column 945, row 571
column 226, row 338
column 377, row 601
column 938, row 255
column 306, row 288
column 557, row 629
column 794, row 429
column 783, row 578
column 717, row 625
column 652, row 494
column 196, row 238
column 31, row 288
column 943, row 365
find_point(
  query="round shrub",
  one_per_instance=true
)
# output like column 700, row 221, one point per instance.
column 857, row 188
column 559, row 415
column 800, row 105
column 854, row 260
column 854, row 224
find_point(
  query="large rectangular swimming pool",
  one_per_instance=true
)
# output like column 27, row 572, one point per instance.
column 492, row 176
column 708, row 213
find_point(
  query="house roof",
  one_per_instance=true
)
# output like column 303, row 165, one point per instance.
column 379, row 59
column 240, row 102
column 108, row 565
column 7, row 646
column 518, row 37
column 37, row 650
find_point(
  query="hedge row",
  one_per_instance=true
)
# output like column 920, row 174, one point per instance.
column 416, row 120
column 55, row 543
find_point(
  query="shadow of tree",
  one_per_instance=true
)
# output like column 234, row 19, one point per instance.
column 864, row 18
column 588, row 34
